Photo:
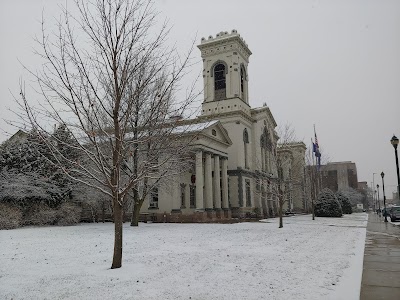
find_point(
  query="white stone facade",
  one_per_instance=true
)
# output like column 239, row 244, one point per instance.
column 237, row 145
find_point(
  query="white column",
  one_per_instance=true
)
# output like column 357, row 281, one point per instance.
column 208, row 183
column 217, row 184
column 199, row 180
column 225, row 203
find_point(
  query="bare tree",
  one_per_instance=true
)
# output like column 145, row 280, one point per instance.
column 111, row 80
column 167, row 152
column 286, row 171
column 313, row 178
column 290, row 162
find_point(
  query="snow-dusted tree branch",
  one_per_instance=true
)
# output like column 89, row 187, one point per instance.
column 109, row 77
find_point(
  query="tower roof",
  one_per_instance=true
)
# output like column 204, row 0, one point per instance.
column 222, row 38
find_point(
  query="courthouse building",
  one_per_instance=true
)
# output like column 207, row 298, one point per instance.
column 235, row 145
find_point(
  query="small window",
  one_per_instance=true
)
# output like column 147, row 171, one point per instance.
column 214, row 132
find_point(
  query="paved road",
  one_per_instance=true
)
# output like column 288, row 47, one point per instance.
column 381, row 271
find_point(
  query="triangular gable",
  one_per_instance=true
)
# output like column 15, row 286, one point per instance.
column 216, row 131
column 264, row 110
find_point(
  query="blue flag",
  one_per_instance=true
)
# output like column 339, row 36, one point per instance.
column 316, row 150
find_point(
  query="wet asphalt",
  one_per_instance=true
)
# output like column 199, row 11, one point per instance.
column 381, row 268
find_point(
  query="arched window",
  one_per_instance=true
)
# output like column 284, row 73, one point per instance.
column 219, row 82
column 266, row 147
column 245, row 136
column 242, row 81
column 246, row 143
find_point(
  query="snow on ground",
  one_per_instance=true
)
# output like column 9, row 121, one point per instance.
column 305, row 259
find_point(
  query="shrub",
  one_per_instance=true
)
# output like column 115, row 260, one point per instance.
column 344, row 202
column 40, row 214
column 327, row 205
column 68, row 214
column 257, row 212
column 10, row 216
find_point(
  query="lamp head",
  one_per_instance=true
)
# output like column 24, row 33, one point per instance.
column 394, row 141
column 382, row 174
column 377, row 186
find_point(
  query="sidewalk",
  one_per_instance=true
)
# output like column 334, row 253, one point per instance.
column 381, row 271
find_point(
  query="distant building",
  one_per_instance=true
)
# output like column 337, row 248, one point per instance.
column 293, row 172
column 362, row 186
column 395, row 196
column 18, row 137
column 339, row 176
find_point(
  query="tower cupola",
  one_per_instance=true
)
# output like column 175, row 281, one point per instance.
column 225, row 61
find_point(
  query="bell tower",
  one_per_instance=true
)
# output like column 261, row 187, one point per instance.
column 225, row 61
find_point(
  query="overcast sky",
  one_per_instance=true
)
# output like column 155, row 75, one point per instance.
column 332, row 63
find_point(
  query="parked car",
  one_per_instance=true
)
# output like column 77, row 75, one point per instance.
column 394, row 213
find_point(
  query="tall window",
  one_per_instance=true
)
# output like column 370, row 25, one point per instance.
column 183, row 195
column 248, row 195
column 192, row 196
column 266, row 151
column 153, row 198
column 219, row 82
column 280, row 172
column 246, row 143
column 242, row 79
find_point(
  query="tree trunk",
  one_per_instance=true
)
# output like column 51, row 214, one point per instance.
column 117, row 257
column 103, row 211
column 313, row 213
column 135, row 214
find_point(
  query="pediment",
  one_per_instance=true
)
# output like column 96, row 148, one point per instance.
column 216, row 131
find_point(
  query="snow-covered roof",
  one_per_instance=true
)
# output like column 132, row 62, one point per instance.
column 194, row 127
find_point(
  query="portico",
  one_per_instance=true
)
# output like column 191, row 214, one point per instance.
column 211, row 183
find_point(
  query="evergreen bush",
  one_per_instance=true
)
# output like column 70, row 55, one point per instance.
column 327, row 205
column 40, row 214
column 344, row 202
column 68, row 214
column 10, row 216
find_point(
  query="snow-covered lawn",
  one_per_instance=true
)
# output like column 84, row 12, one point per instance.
column 306, row 259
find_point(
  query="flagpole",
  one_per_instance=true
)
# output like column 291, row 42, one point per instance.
column 313, row 193
column 318, row 161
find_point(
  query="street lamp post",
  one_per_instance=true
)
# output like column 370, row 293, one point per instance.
column 395, row 141
column 384, row 196
column 373, row 186
column 379, row 202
